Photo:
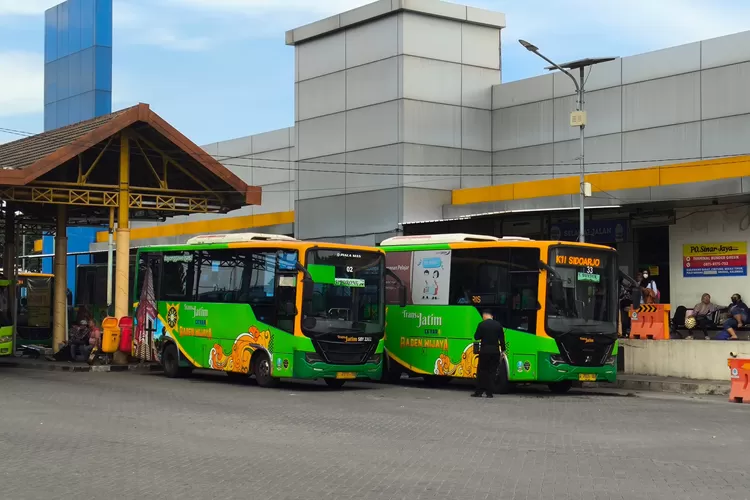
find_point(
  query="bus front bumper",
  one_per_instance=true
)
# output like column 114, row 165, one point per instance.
column 6, row 346
column 564, row 372
column 304, row 370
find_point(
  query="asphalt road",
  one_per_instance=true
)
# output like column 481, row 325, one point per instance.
column 142, row 436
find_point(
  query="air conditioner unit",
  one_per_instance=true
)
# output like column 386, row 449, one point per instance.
column 427, row 239
column 207, row 239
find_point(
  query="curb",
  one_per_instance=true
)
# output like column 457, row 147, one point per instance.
column 699, row 388
column 41, row 366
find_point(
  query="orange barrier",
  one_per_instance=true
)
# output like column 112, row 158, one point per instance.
column 740, row 376
column 650, row 321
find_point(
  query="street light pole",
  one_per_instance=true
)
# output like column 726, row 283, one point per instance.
column 579, row 118
column 582, row 179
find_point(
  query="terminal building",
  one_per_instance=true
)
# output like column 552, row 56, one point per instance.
column 403, row 125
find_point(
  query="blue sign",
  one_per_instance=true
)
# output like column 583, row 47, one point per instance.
column 288, row 261
column 596, row 231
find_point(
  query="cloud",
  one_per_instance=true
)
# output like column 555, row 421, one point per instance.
column 634, row 24
column 256, row 8
column 157, row 25
column 22, row 88
column 25, row 7
column 169, row 39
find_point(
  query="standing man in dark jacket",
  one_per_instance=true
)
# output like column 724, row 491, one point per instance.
column 491, row 338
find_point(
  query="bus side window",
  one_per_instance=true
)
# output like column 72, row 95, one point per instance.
column 179, row 273
column 479, row 277
column 400, row 263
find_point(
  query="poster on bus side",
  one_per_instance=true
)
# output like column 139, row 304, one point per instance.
column 430, row 278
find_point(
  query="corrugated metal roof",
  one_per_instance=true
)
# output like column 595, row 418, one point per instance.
column 24, row 152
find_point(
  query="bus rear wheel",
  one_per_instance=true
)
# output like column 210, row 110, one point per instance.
column 335, row 383
column 237, row 376
column 437, row 380
column 560, row 387
column 262, row 370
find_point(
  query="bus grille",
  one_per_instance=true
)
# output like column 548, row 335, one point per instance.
column 591, row 354
column 337, row 352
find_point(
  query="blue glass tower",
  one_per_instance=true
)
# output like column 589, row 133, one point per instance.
column 77, row 87
column 77, row 62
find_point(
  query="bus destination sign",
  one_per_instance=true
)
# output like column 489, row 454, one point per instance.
column 572, row 260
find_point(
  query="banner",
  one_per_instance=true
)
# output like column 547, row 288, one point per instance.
column 597, row 231
column 144, row 347
column 39, row 301
column 714, row 259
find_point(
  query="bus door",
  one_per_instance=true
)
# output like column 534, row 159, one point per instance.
column 286, row 290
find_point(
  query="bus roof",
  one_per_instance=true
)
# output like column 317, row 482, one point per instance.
column 237, row 238
column 29, row 274
column 35, row 275
column 463, row 240
column 428, row 239
column 206, row 243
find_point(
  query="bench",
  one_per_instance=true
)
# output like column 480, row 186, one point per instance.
column 678, row 330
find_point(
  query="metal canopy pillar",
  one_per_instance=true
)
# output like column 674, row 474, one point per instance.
column 122, row 254
column 9, row 260
column 59, row 328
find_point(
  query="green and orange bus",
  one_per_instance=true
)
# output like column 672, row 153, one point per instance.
column 557, row 300
column 262, row 305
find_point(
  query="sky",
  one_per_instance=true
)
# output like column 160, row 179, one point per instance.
column 219, row 69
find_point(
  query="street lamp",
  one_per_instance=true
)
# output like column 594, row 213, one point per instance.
column 578, row 117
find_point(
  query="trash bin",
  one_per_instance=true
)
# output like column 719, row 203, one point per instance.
column 126, row 335
column 110, row 335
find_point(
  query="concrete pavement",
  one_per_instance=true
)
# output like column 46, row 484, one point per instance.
column 140, row 435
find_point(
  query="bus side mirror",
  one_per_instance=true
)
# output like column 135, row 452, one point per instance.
column 290, row 309
column 402, row 296
column 307, row 289
column 556, row 290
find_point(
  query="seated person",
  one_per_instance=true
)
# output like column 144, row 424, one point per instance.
column 738, row 317
column 701, row 313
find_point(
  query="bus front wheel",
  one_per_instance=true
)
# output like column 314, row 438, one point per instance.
column 560, row 387
column 171, row 363
column 391, row 372
column 502, row 385
column 335, row 383
column 262, row 370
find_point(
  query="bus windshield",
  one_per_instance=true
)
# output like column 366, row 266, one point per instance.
column 586, row 303
column 348, row 292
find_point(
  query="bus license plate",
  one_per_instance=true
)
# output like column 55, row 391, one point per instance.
column 346, row 375
column 587, row 377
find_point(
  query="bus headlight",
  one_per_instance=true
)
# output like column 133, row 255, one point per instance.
column 556, row 359
column 311, row 358
column 3, row 340
column 611, row 361
column 375, row 359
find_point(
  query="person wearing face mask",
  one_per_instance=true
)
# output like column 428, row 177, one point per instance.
column 649, row 291
column 738, row 317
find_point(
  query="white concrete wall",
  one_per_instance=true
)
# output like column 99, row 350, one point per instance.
column 706, row 225
column 682, row 103
column 693, row 359
column 387, row 113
